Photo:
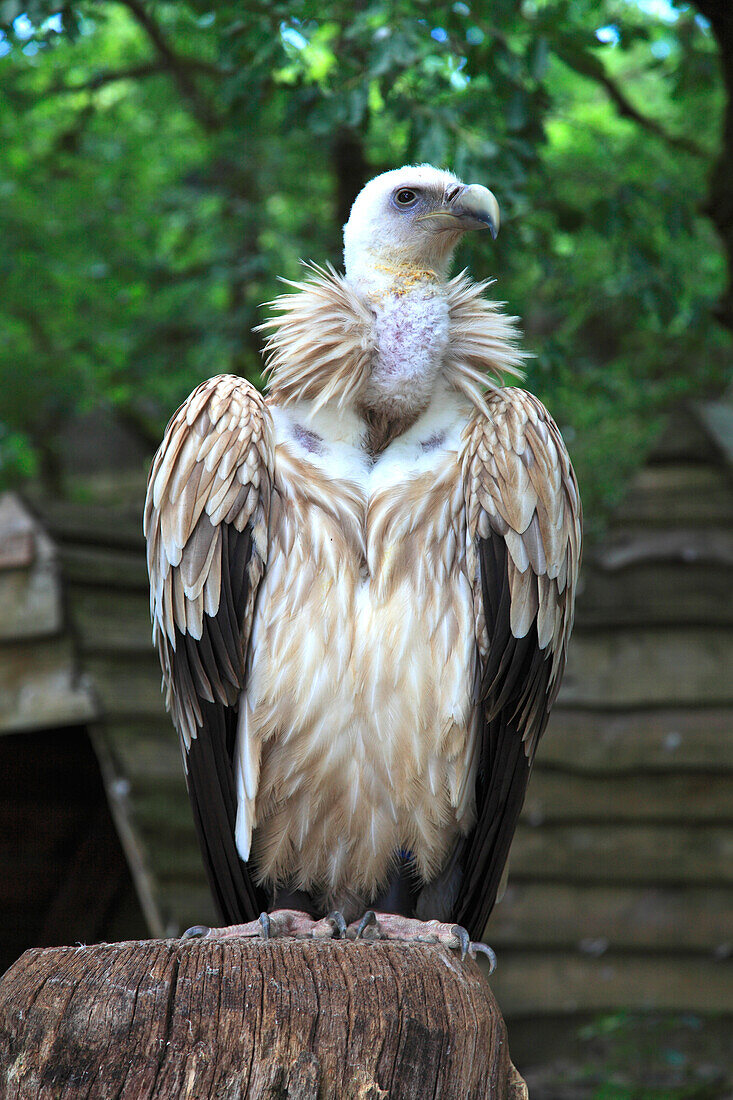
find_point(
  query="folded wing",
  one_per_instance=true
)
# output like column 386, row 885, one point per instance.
column 524, row 521
column 206, row 522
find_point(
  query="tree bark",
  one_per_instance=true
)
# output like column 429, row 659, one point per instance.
column 297, row 1019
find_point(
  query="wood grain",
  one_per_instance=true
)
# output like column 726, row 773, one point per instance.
column 105, row 568
column 304, row 1020
column 681, row 493
column 128, row 686
column 39, row 686
column 662, row 667
column 529, row 982
column 650, row 740
column 658, row 593
column 642, row 854
column 673, row 798
column 547, row 916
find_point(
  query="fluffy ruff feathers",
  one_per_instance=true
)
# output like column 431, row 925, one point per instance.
column 321, row 345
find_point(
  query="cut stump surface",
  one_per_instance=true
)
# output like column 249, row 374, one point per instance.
column 297, row 1019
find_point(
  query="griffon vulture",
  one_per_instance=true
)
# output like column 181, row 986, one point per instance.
column 362, row 588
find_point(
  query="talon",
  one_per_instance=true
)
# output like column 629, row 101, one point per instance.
column 484, row 949
column 463, row 938
column 197, row 931
column 266, row 926
column 337, row 922
column 369, row 918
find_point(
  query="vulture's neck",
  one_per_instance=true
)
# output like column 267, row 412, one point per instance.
column 381, row 347
column 411, row 330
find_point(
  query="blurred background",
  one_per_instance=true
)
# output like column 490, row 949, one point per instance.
column 161, row 165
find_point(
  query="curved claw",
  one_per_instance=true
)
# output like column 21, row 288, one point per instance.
column 463, row 938
column 266, row 926
column 369, row 918
column 197, row 931
column 484, row 949
column 336, row 919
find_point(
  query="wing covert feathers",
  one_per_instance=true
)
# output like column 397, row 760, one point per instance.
column 523, row 553
column 521, row 489
column 206, row 524
column 206, row 515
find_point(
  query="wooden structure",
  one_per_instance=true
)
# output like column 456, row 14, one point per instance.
column 620, row 884
column 306, row 1020
column 38, row 678
column 63, row 875
column 101, row 556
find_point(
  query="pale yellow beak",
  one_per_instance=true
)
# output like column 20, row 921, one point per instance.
column 473, row 207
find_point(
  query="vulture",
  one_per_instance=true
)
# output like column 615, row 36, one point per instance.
column 362, row 588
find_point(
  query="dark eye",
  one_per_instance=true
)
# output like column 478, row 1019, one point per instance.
column 405, row 197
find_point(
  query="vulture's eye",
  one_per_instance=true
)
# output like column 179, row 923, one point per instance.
column 405, row 197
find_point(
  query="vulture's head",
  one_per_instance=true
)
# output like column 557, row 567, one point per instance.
column 414, row 217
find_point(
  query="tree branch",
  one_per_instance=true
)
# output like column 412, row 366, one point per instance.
column 589, row 66
column 180, row 68
column 109, row 76
column 133, row 72
column 628, row 110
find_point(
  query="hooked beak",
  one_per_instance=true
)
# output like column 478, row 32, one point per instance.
column 472, row 207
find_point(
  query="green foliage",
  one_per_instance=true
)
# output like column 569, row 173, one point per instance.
column 164, row 162
column 648, row 1056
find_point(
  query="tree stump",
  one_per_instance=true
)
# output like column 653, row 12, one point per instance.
column 302, row 1019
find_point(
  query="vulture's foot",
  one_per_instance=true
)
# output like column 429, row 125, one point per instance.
column 280, row 923
column 391, row 926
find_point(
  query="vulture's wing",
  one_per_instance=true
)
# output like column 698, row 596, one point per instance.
column 524, row 523
column 206, row 522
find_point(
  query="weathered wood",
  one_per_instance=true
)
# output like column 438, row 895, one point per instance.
column 118, row 789
column 556, row 796
column 105, row 567
column 717, row 417
column 128, row 685
column 624, row 854
column 17, row 533
column 116, row 525
column 654, row 593
column 649, row 667
column 146, row 789
column 163, row 806
column 535, row 982
column 31, row 603
column 681, row 493
column 175, row 857
column 39, row 686
column 686, row 437
column 307, row 1020
column 540, row 916
column 184, row 902
column 655, row 740
column 111, row 621
column 707, row 545
column 30, row 591
column 147, row 750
